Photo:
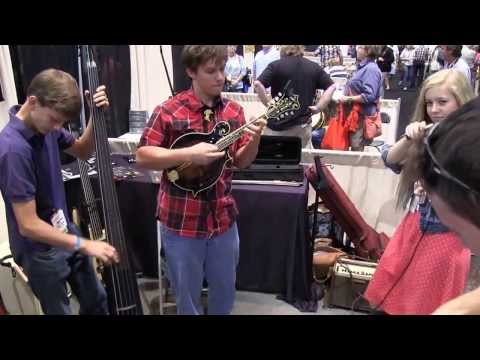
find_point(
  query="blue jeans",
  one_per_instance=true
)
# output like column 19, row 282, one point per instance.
column 317, row 137
column 407, row 76
column 417, row 74
column 190, row 260
column 49, row 271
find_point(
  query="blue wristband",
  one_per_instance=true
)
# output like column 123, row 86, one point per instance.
column 78, row 242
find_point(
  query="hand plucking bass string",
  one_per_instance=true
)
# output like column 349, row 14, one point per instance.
column 99, row 248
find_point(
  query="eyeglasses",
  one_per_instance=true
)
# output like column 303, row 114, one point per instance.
column 439, row 169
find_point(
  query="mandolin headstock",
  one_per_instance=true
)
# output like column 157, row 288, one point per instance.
column 282, row 106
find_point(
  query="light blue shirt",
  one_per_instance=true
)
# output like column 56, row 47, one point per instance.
column 366, row 81
column 234, row 67
column 262, row 59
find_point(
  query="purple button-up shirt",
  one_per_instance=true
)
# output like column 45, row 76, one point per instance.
column 366, row 81
column 30, row 169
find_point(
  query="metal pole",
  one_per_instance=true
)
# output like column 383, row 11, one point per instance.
column 160, row 281
column 166, row 71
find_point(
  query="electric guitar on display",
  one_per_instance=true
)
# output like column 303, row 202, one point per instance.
column 197, row 178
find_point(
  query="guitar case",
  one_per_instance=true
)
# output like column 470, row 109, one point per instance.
column 368, row 243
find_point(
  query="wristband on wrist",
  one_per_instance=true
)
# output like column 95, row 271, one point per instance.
column 78, row 243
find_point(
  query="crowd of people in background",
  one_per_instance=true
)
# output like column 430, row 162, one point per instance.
column 390, row 68
column 410, row 64
column 445, row 78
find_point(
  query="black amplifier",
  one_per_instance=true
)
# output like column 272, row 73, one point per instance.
column 278, row 159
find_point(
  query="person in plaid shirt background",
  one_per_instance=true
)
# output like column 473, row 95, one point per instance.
column 199, row 234
column 327, row 53
column 419, row 59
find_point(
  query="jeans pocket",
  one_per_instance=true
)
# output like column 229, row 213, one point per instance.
column 46, row 254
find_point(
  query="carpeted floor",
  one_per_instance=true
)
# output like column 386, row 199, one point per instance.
column 408, row 100
column 246, row 303
column 254, row 303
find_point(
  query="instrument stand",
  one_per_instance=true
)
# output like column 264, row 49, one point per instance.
column 164, row 303
column 160, row 280
column 17, row 273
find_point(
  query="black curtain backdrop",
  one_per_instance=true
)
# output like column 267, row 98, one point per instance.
column 113, row 63
column 29, row 60
column 181, row 81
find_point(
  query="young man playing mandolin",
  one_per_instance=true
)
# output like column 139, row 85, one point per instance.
column 198, row 229
column 42, row 239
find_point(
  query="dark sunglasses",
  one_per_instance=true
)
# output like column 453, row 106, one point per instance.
column 439, row 169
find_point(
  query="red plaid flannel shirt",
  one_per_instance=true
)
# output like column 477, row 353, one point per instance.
column 213, row 211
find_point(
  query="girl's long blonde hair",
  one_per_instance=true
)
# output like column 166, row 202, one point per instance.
column 462, row 91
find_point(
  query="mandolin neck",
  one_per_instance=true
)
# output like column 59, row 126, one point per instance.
column 228, row 140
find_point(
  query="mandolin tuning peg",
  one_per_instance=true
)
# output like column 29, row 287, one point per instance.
column 280, row 94
column 275, row 98
column 281, row 116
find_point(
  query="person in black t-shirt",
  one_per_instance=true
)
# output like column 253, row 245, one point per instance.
column 306, row 77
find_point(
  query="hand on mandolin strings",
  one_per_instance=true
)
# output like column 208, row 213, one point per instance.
column 204, row 153
column 101, row 250
column 256, row 129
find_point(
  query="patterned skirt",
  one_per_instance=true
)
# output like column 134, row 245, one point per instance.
column 416, row 274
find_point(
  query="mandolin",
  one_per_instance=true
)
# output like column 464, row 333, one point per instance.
column 197, row 178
